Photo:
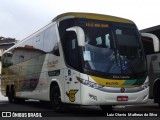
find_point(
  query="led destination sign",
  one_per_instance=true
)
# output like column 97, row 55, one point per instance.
column 97, row 25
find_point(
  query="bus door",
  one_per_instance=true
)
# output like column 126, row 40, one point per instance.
column 72, row 86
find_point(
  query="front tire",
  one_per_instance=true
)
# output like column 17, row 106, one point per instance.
column 55, row 99
column 156, row 92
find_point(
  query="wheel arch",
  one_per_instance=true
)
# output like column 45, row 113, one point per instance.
column 156, row 91
column 53, row 83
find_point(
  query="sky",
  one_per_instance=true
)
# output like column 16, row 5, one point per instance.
column 20, row 18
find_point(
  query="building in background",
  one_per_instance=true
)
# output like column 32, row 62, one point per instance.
column 6, row 43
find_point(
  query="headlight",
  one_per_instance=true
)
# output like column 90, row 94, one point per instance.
column 89, row 83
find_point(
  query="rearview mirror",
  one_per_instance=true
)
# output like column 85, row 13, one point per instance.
column 155, row 40
column 80, row 34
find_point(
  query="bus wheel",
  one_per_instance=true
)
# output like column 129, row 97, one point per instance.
column 55, row 99
column 157, row 99
column 156, row 92
column 7, row 90
column 13, row 99
column 11, row 95
column 106, row 108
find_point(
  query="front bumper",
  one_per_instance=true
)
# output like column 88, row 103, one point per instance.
column 91, row 96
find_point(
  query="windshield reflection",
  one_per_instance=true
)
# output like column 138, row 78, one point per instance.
column 118, row 53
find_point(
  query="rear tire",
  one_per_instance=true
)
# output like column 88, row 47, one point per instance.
column 11, row 95
column 55, row 99
column 7, row 90
column 106, row 108
column 12, row 98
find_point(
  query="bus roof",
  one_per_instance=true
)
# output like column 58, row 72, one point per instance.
column 92, row 16
column 78, row 15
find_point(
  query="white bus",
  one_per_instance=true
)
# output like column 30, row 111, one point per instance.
column 153, row 65
column 79, row 58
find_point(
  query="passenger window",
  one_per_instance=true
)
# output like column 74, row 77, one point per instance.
column 38, row 42
column 148, row 45
column 49, row 39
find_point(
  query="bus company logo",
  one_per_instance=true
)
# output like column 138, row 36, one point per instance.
column 6, row 114
column 71, row 95
column 111, row 83
column 122, row 90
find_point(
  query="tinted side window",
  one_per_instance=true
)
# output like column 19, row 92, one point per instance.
column 38, row 42
column 72, row 53
column 148, row 45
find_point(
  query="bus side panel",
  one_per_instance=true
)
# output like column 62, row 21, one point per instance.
column 52, row 72
column 27, row 79
column 53, row 68
column 153, row 70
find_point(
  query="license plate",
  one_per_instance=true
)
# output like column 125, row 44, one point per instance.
column 122, row 98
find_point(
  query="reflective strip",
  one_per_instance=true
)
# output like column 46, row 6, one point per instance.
column 108, row 82
column 118, row 83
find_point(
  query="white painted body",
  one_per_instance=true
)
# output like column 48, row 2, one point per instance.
column 68, row 81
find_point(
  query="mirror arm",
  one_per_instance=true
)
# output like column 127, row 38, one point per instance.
column 80, row 34
column 155, row 40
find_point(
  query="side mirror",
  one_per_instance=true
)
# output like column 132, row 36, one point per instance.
column 155, row 40
column 80, row 34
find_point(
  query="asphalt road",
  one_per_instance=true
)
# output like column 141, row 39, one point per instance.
column 77, row 112
column 74, row 111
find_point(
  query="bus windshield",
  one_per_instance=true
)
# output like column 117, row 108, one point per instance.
column 112, row 48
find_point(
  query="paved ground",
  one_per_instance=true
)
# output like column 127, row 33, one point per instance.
column 85, row 112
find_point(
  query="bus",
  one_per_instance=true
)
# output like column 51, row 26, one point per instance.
column 153, row 65
column 78, row 59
